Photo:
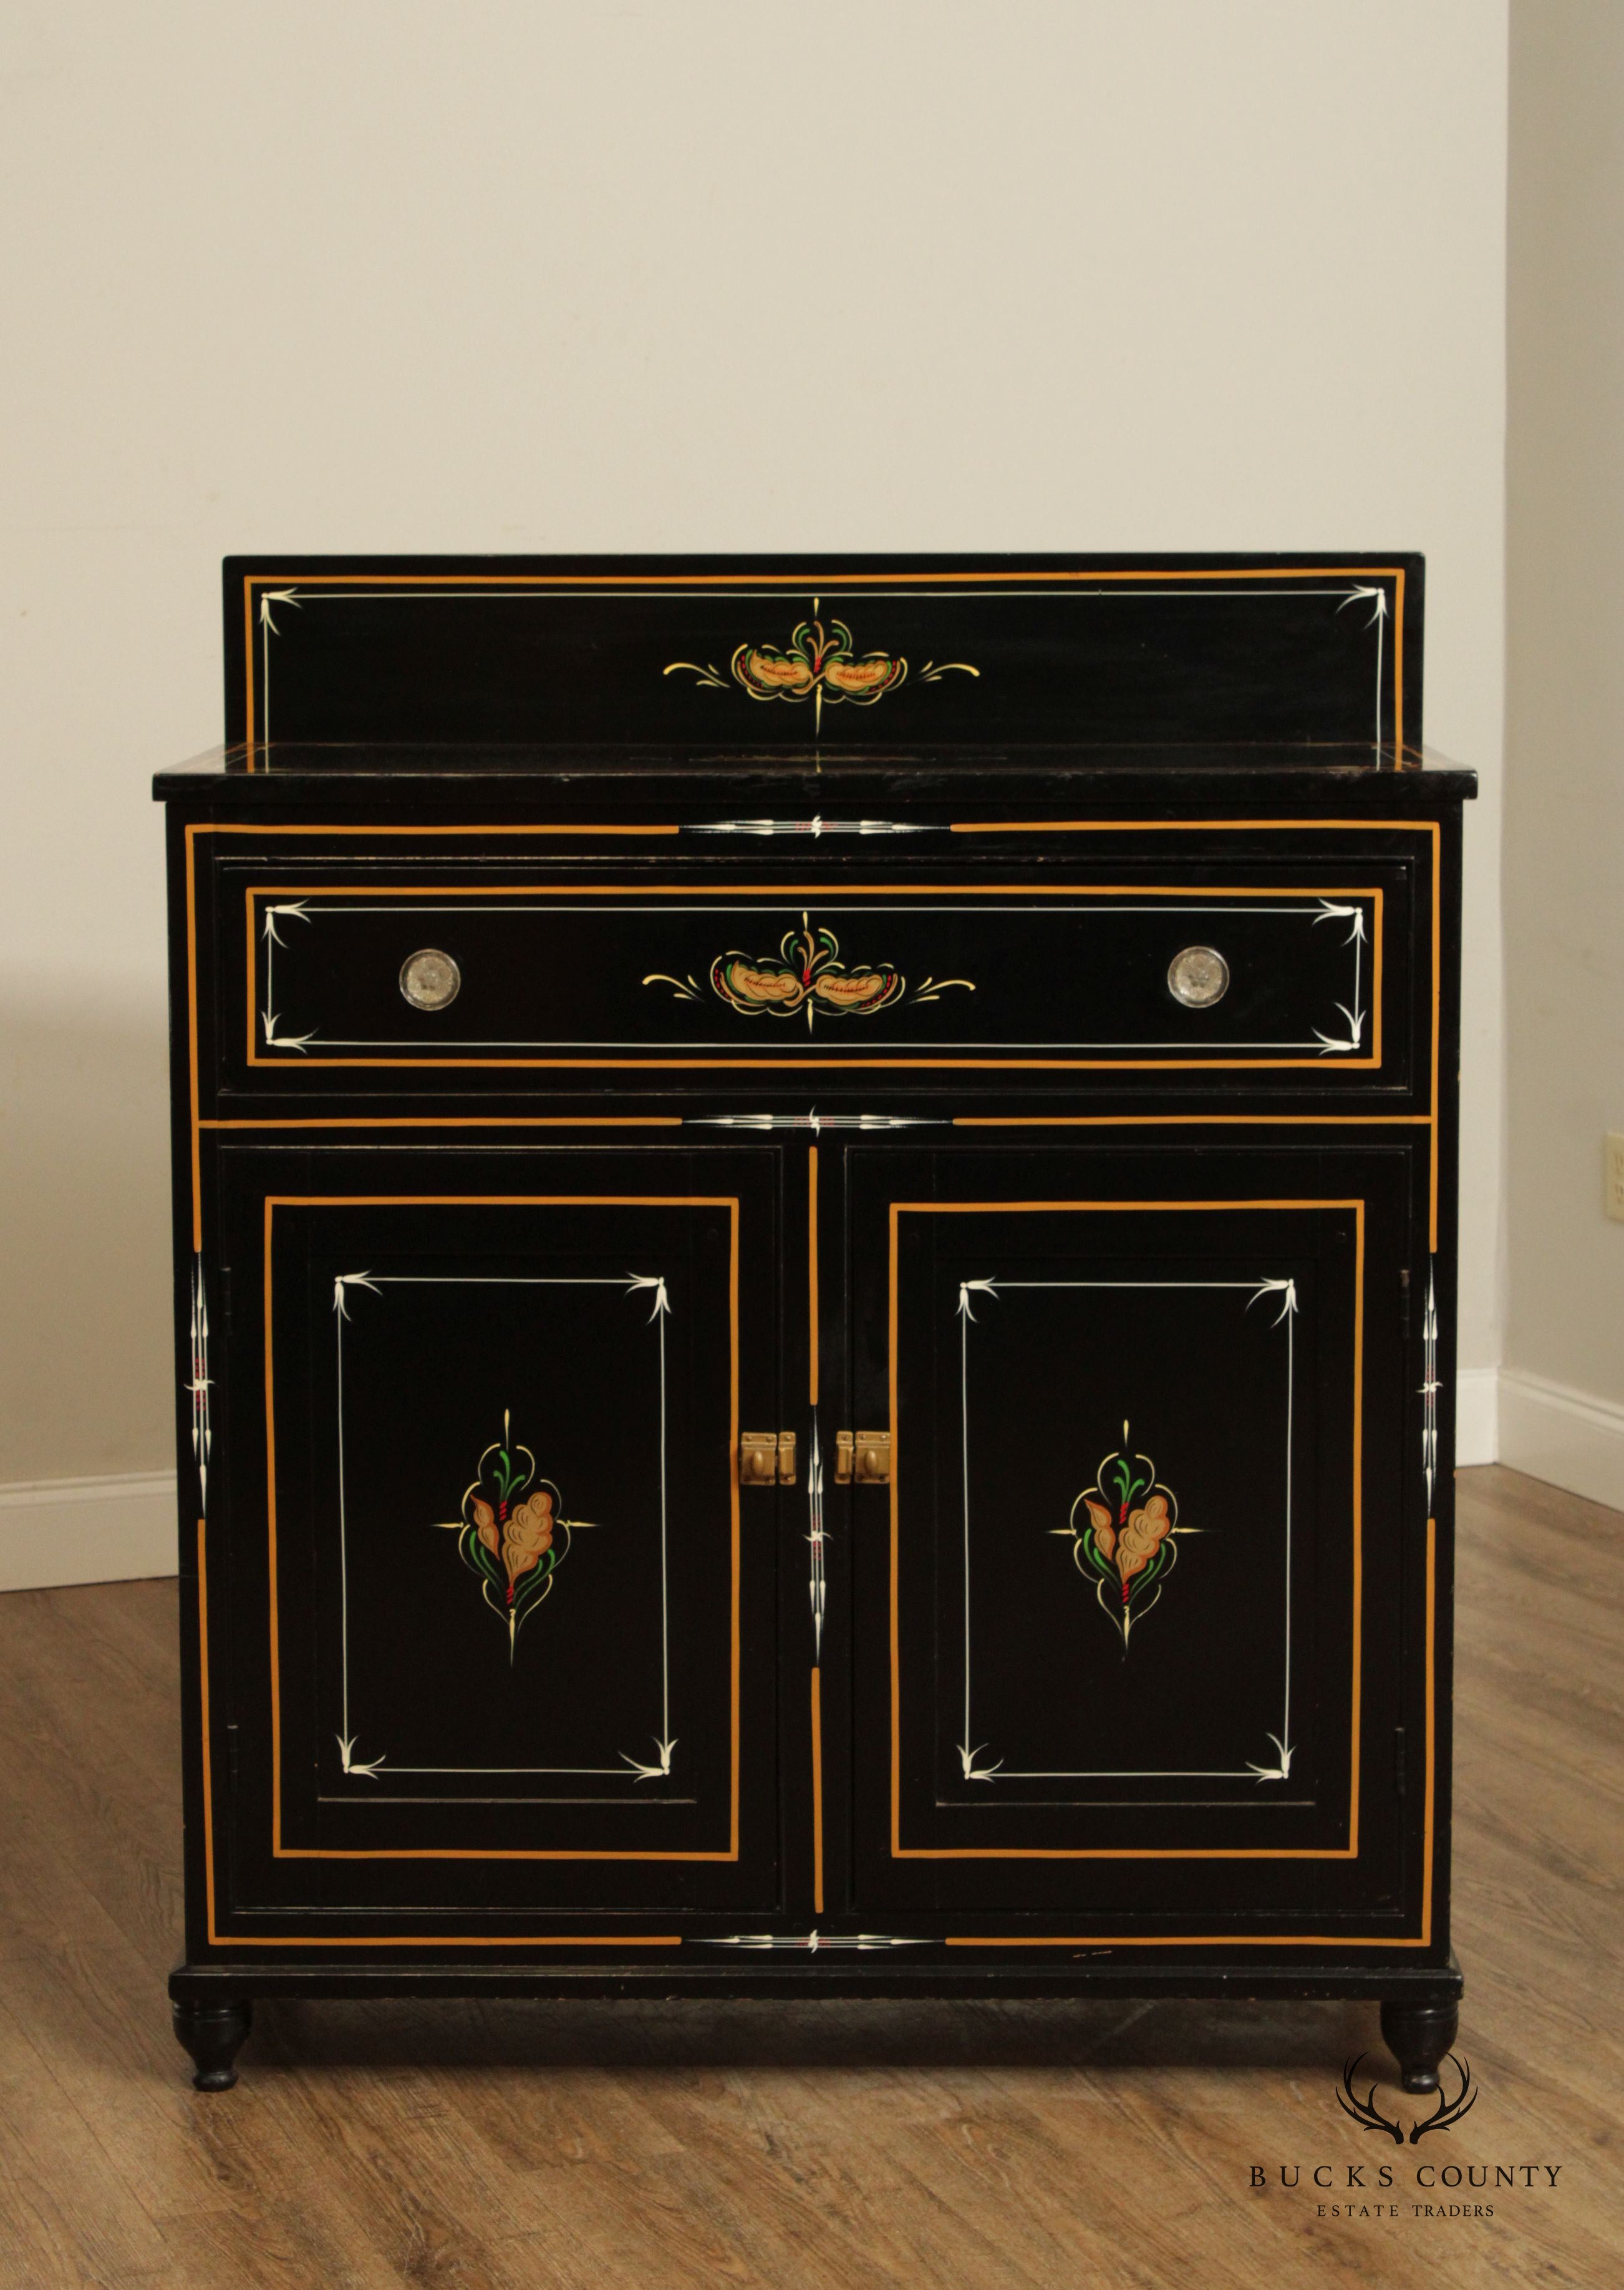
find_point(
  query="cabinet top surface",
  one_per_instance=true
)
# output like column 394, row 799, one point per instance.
column 406, row 774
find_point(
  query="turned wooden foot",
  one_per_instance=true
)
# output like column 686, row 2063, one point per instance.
column 1418, row 2036
column 213, row 2034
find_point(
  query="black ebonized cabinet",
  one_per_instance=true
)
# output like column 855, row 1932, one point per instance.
column 815, row 1266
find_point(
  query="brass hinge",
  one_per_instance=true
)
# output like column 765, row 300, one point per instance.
column 863, row 1456
column 766, row 1459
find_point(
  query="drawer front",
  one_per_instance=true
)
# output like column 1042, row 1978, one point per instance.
column 1295, row 970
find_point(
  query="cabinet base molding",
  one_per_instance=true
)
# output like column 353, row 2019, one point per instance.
column 1419, row 2010
column 1437, row 1986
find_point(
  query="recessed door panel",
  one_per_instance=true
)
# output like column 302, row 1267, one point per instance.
column 489, row 1587
column 1139, row 1650
column 1136, row 1650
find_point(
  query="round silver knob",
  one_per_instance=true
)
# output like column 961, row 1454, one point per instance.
column 1198, row 977
column 429, row 979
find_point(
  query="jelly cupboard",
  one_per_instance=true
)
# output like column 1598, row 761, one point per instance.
column 815, row 1253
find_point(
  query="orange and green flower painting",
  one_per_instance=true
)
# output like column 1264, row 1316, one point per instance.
column 1123, row 1531
column 822, row 664
column 512, row 1534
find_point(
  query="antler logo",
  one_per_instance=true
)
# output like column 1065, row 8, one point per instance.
column 1366, row 2111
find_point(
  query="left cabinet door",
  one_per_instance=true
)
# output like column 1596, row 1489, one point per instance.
column 489, row 1650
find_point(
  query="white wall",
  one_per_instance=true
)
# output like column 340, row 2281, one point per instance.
column 517, row 275
column 1563, row 1393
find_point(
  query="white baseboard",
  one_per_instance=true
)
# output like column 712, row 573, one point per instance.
column 60, row 1531
column 54, row 1532
column 1477, row 1416
column 1562, row 1436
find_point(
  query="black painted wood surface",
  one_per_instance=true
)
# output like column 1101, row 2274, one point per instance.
column 779, row 653
column 840, row 1092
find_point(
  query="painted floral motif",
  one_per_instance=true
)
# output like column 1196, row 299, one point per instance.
column 822, row 663
column 512, row 1534
column 818, row 655
column 1123, row 1530
column 805, row 974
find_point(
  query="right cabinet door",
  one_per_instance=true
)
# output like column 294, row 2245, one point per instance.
column 1139, row 1641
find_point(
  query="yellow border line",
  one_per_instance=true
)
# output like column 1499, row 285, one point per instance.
column 732, row 1496
column 900, row 1852
column 328, row 827
column 272, row 1565
column 1437, row 992
column 191, row 1034
column 1358, row 1542
column 816, row 1065
column 481, row 1121
column 785, row 894
column 817, row 1782
column 208, row 1753
column 654, row 1062
column 253, row 958
column 1427, row 1825
column 793, row 582
column 1141, row 1120
column 812, row 1272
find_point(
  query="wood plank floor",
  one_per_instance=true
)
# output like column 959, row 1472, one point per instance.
column 805, row 2147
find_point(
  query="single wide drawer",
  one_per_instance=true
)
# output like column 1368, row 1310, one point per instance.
column 590, row 973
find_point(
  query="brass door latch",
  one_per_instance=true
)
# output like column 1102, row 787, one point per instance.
column 863, row 1456
column 766, row 1459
